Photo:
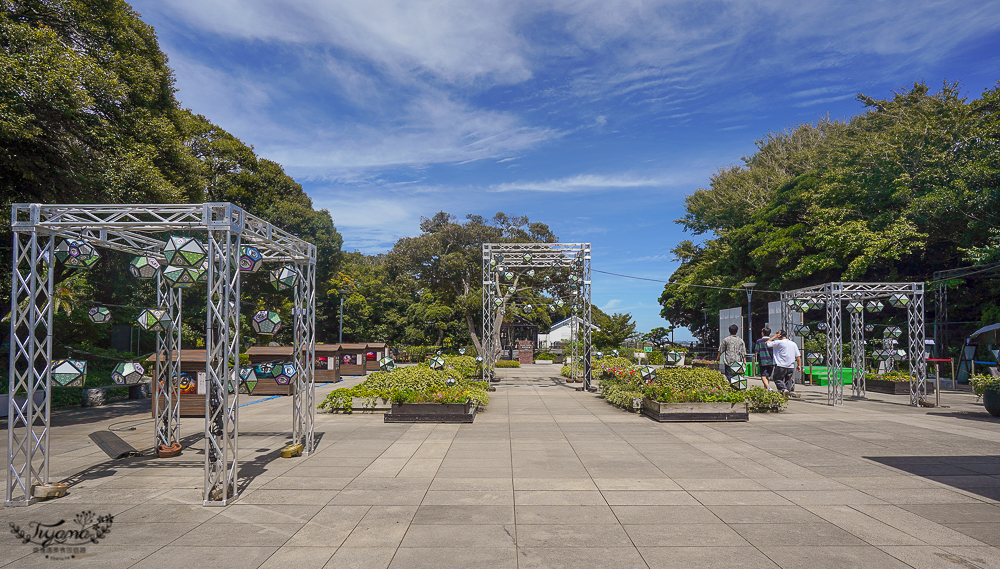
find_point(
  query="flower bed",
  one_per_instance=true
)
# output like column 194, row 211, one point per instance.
column 449, row 405
column 893, row 383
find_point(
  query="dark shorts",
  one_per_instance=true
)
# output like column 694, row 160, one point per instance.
column 783, row 378
column 766, row 371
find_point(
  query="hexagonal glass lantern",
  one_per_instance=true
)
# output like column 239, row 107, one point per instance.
column 77, row 253
column 69, row 373
column 647, row 373
column 461, row 351
column 154, row 320
column 892, row 332
column 855, row 307
column 284, row 278
column 598, row 355
column 874, row 306
column 266, row 322
column 250, row 260
column 284, row 374
column 814, row 358
column 672, row 357
column 386, row 364
column 529, row 308
column 801, row 329
column 184, row 251
column 99, row 315
column 898, row 300
column 143, row 267
column 437, row 362
column 128, row 373
column 182, row 277
column 248, row 380
column 869, row 327
column 822, row 326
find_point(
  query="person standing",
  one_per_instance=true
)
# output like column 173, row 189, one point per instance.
column 765, row 357
column 787, row 358
column 732, row 349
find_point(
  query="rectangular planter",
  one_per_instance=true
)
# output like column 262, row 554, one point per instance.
column 431, row 413
column 892, row 387
column 698, row 411
column 543, row 362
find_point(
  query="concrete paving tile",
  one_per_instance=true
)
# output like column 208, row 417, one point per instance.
column 829, row 497
column 831, row 557
column 95, row 557
column 299, row 557
column 922, row 496
column 461, row 536
column 720, row 484
column 637, row 483
column 473, row 484
column 125, row 534
column 648, row 498
column 329, row 527
column 289, row 482
column 985, row 557
column 166, row 513
column 571, row 515
column 408, row 484
column 303, row 497
column 739, row 498
column 241, row 512
column 209, row 534
column 577, row 557
column 555, row 484
column 929, row 532
column 957, row 513
column 930, row 557
column 382, row 526
column 886, row 482
column 576, row 535
column 988, row 533
column 823, row 533
column 558, row 498
column 372, row 497
column 764, row 514
column 708, row 557
column 207, row 556
column 660, row 515
column 454, row 558
column 464, row 515
column 467, row 498
column 681, row 535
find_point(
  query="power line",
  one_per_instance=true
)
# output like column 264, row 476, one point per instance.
column 756, row 290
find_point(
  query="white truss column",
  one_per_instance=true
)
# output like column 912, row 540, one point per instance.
column 30, row 354
column 834, row 340
column 166, row 382
column 304, row 349
column 916, row 349
column 858, row 353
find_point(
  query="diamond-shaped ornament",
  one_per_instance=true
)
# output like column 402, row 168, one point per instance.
column 284, row 278
column 461, row 351
column 69, row 373
column 526, row 257
column 874, row 306
column 497, row 301
column 869, row 327
column 855, row 307
column 266, row 322
column 672, row 357
column 531, row 272
column 248, row 380
column 77, row 253
column 898, row 300
column 181, row 277
column 814, row 358
column 154, row 320
column 250, row 260
column 183, row 251
column 647, row 373
column 795, row 305
column 99, row 315
column 801, row 329
column 508, row 275
column 143, row 267
column 284, row 374
column 437, row 362
column 479, row 359
column 892, row 332
column 386, row 364
column 127, row 373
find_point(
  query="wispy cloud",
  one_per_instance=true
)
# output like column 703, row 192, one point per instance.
column 585, row 183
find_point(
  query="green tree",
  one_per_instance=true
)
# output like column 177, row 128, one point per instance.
column 614, row 330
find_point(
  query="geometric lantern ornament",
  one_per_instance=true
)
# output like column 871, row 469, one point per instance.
column 250, row 259
column 184, row 252
column 883, row 354
column 386, row 364
column 284, row 374
column 892, row 332
column 672, row 358
column 76, row 253
column 855, row 307
column 266, row 322
column 143, row 267
column 821, row 326
column 796, row 305
column 69, row 373
column 647, row 373
column 265, row 370
column 874, row 306
column 127, row 373
column 869, row 327
column 737, row 379
column 437, row 362
column 182, row 277
column 898, row 300
column 99, row 315
column 814, row 358
column 248, row 380
column 153, row 320
column 284, row 278
column 801, row 330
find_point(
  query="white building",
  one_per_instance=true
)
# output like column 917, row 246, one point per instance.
column 560, row 332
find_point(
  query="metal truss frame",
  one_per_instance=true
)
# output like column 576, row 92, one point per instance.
column 543, row 256
column 137, row 229
column 834, row 295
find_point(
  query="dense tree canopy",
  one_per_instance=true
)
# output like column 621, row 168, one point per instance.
column 910, row 186
column 88, row 115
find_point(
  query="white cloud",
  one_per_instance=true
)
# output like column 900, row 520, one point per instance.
column 586, row 183
column 611, row 304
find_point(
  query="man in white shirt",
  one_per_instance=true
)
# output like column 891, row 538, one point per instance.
column 787, row 358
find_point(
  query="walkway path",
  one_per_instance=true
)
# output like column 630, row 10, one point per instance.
column 553, row 477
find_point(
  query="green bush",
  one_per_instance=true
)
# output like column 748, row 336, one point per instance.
column 466, row 365
column 666, row 394
column 545, row 356
column 656, row 358
column 419, row 379
column 760, row 400
column 507, row 363
column 982, row 383
column 686, row 379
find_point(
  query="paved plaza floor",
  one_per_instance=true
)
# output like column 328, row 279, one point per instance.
column 547, row 477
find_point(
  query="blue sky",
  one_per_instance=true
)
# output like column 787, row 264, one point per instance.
column 595, row 117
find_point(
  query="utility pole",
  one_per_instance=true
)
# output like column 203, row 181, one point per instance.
column 749, row 286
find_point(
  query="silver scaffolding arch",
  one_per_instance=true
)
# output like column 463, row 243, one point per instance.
column 527, row 256
column 134, row 229
column 833, row 296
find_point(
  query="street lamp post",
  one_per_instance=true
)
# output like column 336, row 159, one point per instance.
column 749, row 286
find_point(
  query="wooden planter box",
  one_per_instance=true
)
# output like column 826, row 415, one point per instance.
column 431, row 413
column 892, row 387
column 670, row 412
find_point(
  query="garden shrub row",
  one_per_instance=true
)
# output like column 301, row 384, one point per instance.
column 455, row 383
column 507, row 363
